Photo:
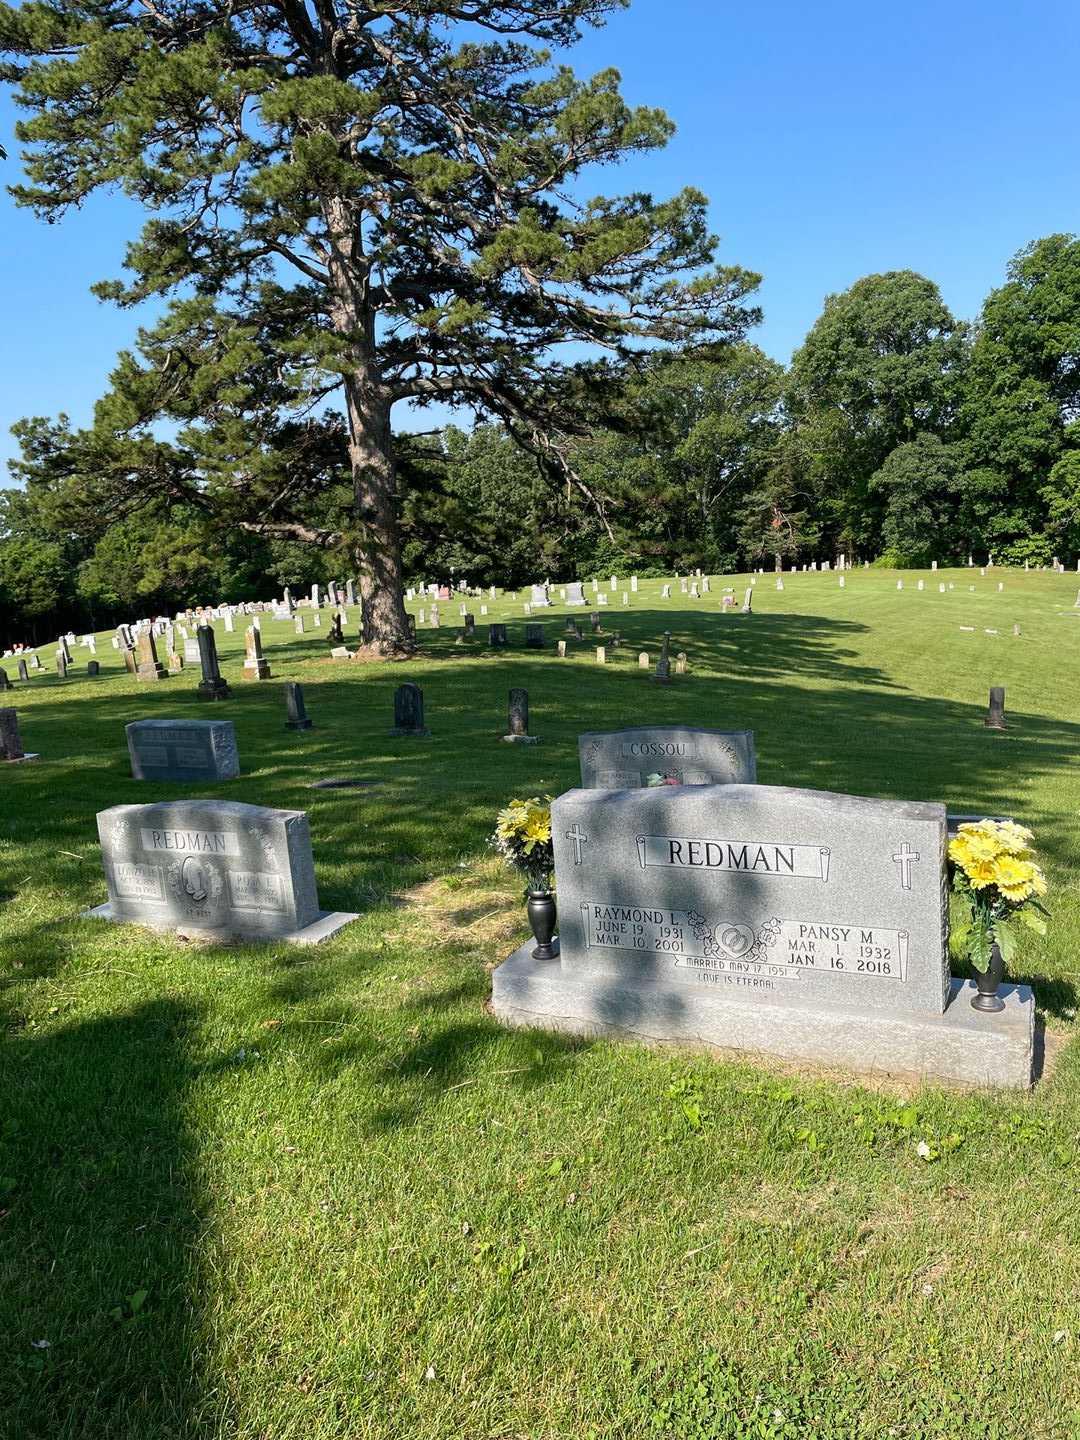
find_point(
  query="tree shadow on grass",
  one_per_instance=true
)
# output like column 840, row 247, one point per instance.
column 98, row 1222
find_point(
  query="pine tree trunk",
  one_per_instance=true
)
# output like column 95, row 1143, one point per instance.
column 384, row 625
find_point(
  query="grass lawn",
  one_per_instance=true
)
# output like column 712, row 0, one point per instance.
column 263, row 1192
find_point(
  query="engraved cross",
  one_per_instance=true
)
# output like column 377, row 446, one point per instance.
column 577, row 837
column 904, row 857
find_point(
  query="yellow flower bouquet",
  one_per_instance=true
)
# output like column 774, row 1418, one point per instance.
column 995, row 870
column 523, row 838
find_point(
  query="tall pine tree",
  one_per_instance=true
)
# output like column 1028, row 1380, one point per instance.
column 376, row 198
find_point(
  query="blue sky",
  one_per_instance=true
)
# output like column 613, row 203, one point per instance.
column 833, row 140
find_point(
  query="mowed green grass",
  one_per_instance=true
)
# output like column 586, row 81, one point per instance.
column 265, row 1193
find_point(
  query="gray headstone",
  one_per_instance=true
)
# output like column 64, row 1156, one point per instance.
column 624, row 759
column 149, row 666
column 5, row 683
column 534, row 637
column 212, row 865
column 995, row 716
column 539, row 597
column 185, row 751
column 518, row 719
column 575, row 593
column 93, row 668
column 409, row 711
column 212, row 686
column 24, row 673
column 497, row 636
column 295, row 709
column 11, row 747
column 255, row 667
column 767, row 919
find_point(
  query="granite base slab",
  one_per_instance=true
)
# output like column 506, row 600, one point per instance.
column 328, row 923
column 20, row 759
column 961, row 1046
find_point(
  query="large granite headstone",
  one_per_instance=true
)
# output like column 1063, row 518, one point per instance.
column 625, row 759
column 762, row 918
column 187, row 751
column 213, row 866
column 575, row 593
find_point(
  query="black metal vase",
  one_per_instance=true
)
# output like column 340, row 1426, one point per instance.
column 987, row 982
column 540, row 907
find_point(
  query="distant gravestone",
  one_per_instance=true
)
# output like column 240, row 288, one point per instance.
column 995, row 715
column 176, row 664
column 534, row 637
column 5, row 683
column 11, row 746
column 766, row 919
column 62, row 665
column 93, row 668
column 298, row 624
column 212, row 686
column 539, row 597
column 24, row 673
column 255, row 667
column 625, row 759
column 575, row 593
column 296, row 716
column 409, row 711
column 594, row 621
column 191, row 650
column 497, row 636
column 518, row 719
column 183, row 751
column 213, row 866
column 643, row 660
column 149, row 666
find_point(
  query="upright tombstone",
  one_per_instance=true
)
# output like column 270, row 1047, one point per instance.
column 255, row 667
column 213, row 866
column 518, row 719
column 5, row 683
column 470, row 624
column 409, row 711
column 93, row 668
column 350, row 592
column 183, row 751
column 594, row 621
column 573, row 627
column 212, row 686
column 298, row 623
column 62, row 665
column 575, row 593
column 632, row 758
column 539, row 597
column 534, row 637
column 11, row 747
column 497, row 636
column 296, row 716
column 796, row 923
column 191, row 649
column 24, row 673
column 149, row 666
column 995, row 715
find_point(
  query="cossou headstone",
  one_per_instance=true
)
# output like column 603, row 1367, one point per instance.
column 797, row 923
column 409, row 711
column 625, row 759
column 185, row 751
column 213, row 866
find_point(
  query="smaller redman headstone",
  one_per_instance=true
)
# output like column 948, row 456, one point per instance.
column 626, row 759
column 409, row 711
column 213, row 866
column 11, row 746
column 518, row 719
column 183, row 751
column 296, row 716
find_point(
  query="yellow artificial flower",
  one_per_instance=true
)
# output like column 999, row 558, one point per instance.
column 1014, row 877
column 1015, row 838
column 981, row 873
column 982, row 843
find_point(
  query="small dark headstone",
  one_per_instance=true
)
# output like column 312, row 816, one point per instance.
column 995, row 719
column 212, row 685
column 5, row 683
column 470, row 625
column 410, row 620
column 93, row 668
column 24, row 673
column 497, row 636
column 61, row 665
column 295, row 709
column 335, row 635
column 534, row 637
column 10, row 742
column 409, row 711
column 518, row 719
column 594, row 621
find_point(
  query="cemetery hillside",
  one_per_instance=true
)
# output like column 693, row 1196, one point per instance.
column 539, row 782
